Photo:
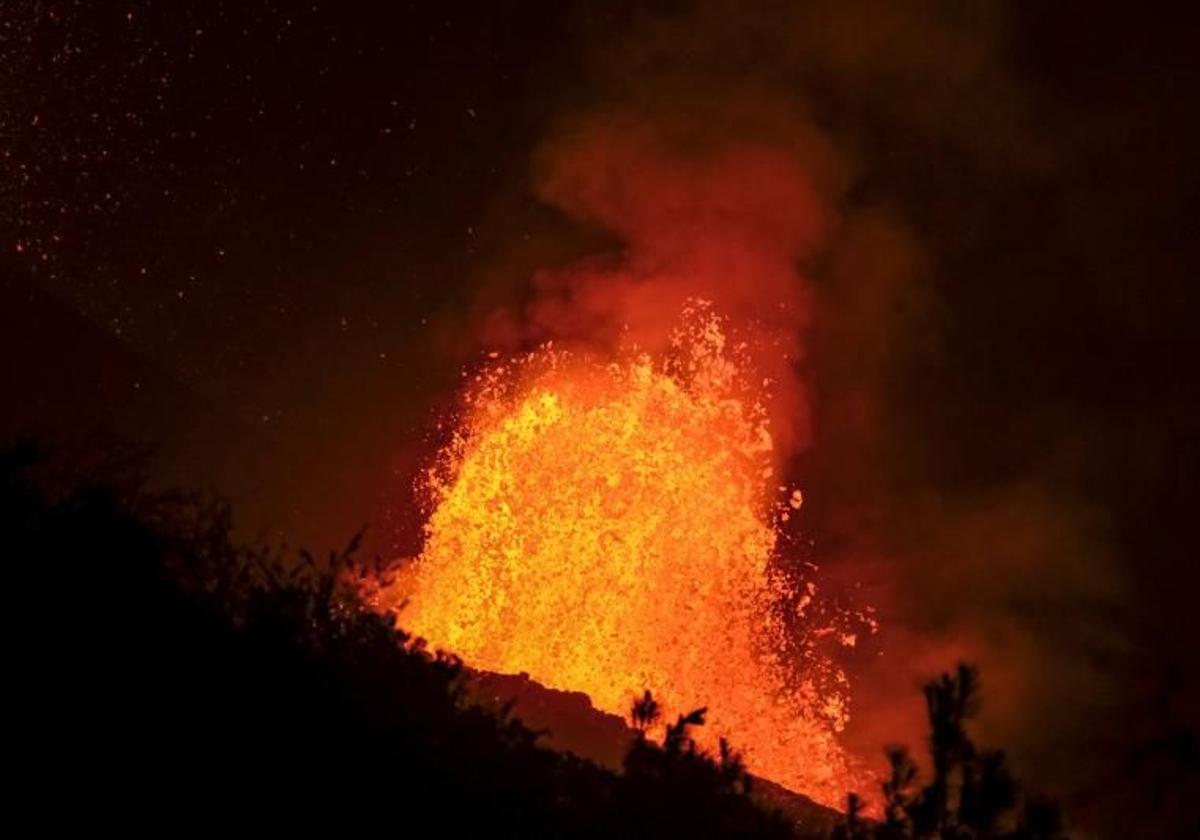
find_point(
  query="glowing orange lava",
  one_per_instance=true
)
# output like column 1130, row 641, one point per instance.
column 610, row 527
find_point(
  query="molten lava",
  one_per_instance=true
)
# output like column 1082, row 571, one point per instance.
column 610, row 526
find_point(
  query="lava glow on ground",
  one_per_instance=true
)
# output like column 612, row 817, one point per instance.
column 609, row 527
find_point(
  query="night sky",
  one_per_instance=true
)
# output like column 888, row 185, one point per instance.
column 268, row 237
column 271, row 215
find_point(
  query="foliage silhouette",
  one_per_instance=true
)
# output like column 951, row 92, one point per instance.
column 645, row 713
column 971, row 793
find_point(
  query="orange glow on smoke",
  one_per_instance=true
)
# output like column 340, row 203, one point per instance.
column 610, row 526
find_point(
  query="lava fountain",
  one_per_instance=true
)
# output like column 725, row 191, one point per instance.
column 610, row 526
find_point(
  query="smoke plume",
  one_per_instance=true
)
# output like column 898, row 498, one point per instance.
column 823, row 174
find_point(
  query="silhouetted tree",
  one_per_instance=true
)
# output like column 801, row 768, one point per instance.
column 645, row 713
column 971, row 793
column 898, row 794
column 949, row 700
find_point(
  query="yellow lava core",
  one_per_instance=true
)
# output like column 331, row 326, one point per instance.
column 610, row 527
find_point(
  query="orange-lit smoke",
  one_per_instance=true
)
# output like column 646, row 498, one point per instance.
column 697, row 216
column 609, row 526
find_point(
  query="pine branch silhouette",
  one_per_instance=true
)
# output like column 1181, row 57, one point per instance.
column 971, row 794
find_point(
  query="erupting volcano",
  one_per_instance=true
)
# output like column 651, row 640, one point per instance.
column 611, row 525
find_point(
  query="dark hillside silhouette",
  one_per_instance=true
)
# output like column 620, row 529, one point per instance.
column 163, row 669
column 168, row 677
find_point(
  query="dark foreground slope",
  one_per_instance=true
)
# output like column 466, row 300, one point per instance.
column 167, row 677
column 569, row 722
column 161, row 676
